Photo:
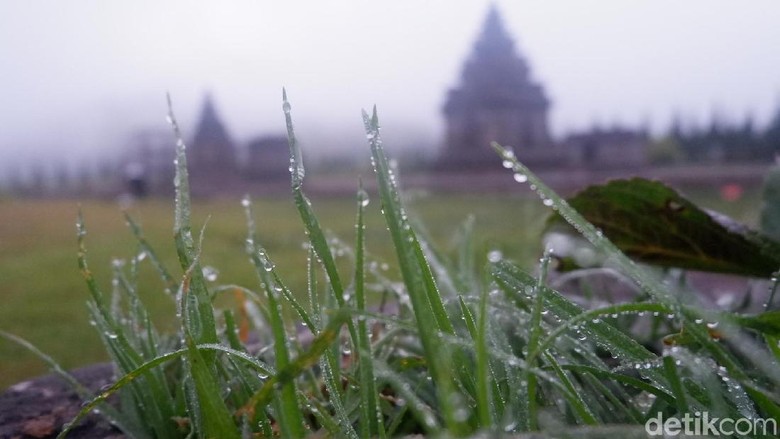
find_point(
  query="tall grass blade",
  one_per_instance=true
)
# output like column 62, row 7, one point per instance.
column 483, row 364
column 312, row 226
column 201, row 319
column 170, row 283
column 370, row 415
column 290, row 416
column 430, row 315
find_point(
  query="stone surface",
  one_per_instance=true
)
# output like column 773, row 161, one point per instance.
column 38, row 408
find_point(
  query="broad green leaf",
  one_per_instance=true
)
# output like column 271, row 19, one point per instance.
column 654, row 224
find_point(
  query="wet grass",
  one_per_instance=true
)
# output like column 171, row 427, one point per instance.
column 478, row 343
column 44, row 295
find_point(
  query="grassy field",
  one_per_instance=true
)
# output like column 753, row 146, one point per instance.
column 43, row 295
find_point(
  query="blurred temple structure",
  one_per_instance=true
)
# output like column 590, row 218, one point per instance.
column 497, row 100
column 211, row 154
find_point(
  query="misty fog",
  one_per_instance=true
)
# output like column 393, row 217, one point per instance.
column 80, row 77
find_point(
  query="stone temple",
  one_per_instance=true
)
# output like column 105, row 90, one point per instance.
column 211, row 155
column 497, row 100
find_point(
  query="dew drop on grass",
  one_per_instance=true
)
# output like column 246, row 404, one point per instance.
column 210, row 273
column 520, row 177
column 507, row 164
column 712, row 325
column 495, row 255
column 547, row 202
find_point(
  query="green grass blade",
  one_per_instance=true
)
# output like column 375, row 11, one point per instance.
column 294, row 368
column 483, row 365
column 533, row 341
column 202, row 324
column 291, row 418
column 424, row 414
column 117, row 342
column 678, row 391
column 575, row 401
column 312, row 226
column 216, row 419
column 417, row 276
column 268, row 275
column 122, row 382
column 430, row 315
column 597, row 314
column 370, row 416
column 625, row 379
column 518, row 284
column 170, row 283
column 311, row 288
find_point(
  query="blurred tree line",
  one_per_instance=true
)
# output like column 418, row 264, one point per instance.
column 721, row 141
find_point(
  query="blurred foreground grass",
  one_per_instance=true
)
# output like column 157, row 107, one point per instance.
column 43, row 295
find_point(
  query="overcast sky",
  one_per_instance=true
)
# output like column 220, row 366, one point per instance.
column 79, row 76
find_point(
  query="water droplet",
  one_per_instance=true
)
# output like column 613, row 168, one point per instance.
column 547, row 202
column 245, row 202
column 364, row 202
column 699, row 321
column 210, row 273
column 286, row 107
column 495, row 255
column 520, row 177
column 712, row 325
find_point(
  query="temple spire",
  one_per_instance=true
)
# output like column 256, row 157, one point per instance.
column 494, row 38
column 212, row 153
column 495, row 101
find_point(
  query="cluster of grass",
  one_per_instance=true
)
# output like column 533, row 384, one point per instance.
column 37, row 237
column 471, row 345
